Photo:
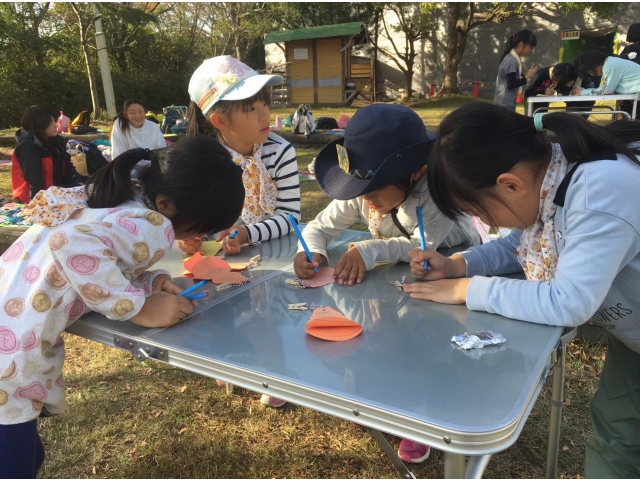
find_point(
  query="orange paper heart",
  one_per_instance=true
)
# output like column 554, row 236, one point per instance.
column 328, row 324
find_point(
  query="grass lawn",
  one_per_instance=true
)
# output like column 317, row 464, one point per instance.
column 128, row 419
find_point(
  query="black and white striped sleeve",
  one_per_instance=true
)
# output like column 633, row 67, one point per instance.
column 282, row 165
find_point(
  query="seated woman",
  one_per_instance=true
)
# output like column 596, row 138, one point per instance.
column 131, row 129
column 556, row 80
column 40, row 160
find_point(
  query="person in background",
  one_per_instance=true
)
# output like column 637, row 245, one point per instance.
column 131, row 130
column 40, row 160
column 511, row 77
column 618, row 75
column 549, row 81
column 632, row 50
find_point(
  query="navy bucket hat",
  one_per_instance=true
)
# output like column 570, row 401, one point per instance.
column 382, row 145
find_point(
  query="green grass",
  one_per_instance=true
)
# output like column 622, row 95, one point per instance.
column 127, row 419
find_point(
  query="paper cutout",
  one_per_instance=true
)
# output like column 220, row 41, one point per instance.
column 187, row 273
column 343, row 158
column 238, row 267
column 328, row 324
column 210, row 248
column 191, row 261
column 324, row 277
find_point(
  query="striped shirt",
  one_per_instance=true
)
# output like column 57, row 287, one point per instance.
column 279, row 157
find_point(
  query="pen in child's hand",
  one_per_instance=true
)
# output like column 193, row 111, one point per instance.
column 302, row 242
column 233, row 234
column 197, row 296
column 192, row 288
column 423, row 242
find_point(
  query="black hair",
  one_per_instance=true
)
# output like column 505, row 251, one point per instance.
column 479, row 142
column 122, row 115
column 198, row 124
column 525, row 36
column 633, row 33
column 36, row 119
column 197, row 174
column 589, row 61
column 566, row 72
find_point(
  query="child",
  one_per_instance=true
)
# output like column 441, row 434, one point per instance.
column 632, row 50
column 574, row 206
column 40, row 160
column 131, row 129
column 377, row 174
column 510, row 77
column 92, row 252
column 555, row 80
column 618, row 75
column 230, row 101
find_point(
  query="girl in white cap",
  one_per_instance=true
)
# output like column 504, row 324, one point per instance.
column 230, row 101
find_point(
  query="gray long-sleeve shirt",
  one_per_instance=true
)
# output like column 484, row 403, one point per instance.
column 439, row 230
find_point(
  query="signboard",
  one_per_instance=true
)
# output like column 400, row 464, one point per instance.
column 300, row 53
column 571, row 34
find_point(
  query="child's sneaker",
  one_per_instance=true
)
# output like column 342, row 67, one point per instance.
column 269, row 401
column 413, row 452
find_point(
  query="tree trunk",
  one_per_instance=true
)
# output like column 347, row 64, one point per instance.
column 95, row 99
column 453, row 52
column 408, row 78
column 238, row 50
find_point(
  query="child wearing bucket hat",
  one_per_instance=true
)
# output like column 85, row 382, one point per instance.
column 230, row 101
column 375, row 173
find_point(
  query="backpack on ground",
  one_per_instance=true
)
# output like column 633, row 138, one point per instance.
column 326, row 123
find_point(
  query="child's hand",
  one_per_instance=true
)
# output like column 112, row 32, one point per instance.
column 164, row 283
column 439, row 265
column 232, row 246
column 162, row 309
column 350, row 268
column 190, row 246
column 576, row 91
column 453, row 291
column 303, row 268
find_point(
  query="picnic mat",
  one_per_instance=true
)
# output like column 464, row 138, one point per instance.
column 9, row 218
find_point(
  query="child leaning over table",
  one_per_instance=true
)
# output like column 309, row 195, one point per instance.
column 376, row 174
column 91, row 250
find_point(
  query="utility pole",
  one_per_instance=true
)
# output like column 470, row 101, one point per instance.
column 109, row 97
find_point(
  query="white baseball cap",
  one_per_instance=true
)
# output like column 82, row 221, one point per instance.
column 226, row 78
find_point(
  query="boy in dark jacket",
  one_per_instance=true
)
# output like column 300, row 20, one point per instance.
column 40, row 160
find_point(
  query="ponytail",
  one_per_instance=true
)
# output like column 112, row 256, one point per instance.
column 197, row 123
column 579, row 138
column 479, row 142
column 525, row 36
column 111, row 185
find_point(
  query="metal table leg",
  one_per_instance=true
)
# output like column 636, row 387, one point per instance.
column 556, row 411
column 476, row 466
column 454, row 464
column 391, row 453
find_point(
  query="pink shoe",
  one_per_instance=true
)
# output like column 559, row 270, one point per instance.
column 221, row 383
column 269, row 401
column 413, row 452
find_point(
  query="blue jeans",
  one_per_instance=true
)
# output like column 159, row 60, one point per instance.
column 21, row 450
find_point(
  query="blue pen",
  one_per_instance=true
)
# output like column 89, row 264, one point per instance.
column 197, row 296
column 192, row 288
column 299, row 235
column 233, row 234
column 423, row 242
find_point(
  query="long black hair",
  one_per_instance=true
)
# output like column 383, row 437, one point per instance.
column 197, row 174
column 198, row 124
column 565, row 72
column 587, row 62
column 525, row 36
column 633, row 33
column 479, row 142
column 122, row 115
column 36, row 120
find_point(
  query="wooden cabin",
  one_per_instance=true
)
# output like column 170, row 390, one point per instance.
column 319, row 66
